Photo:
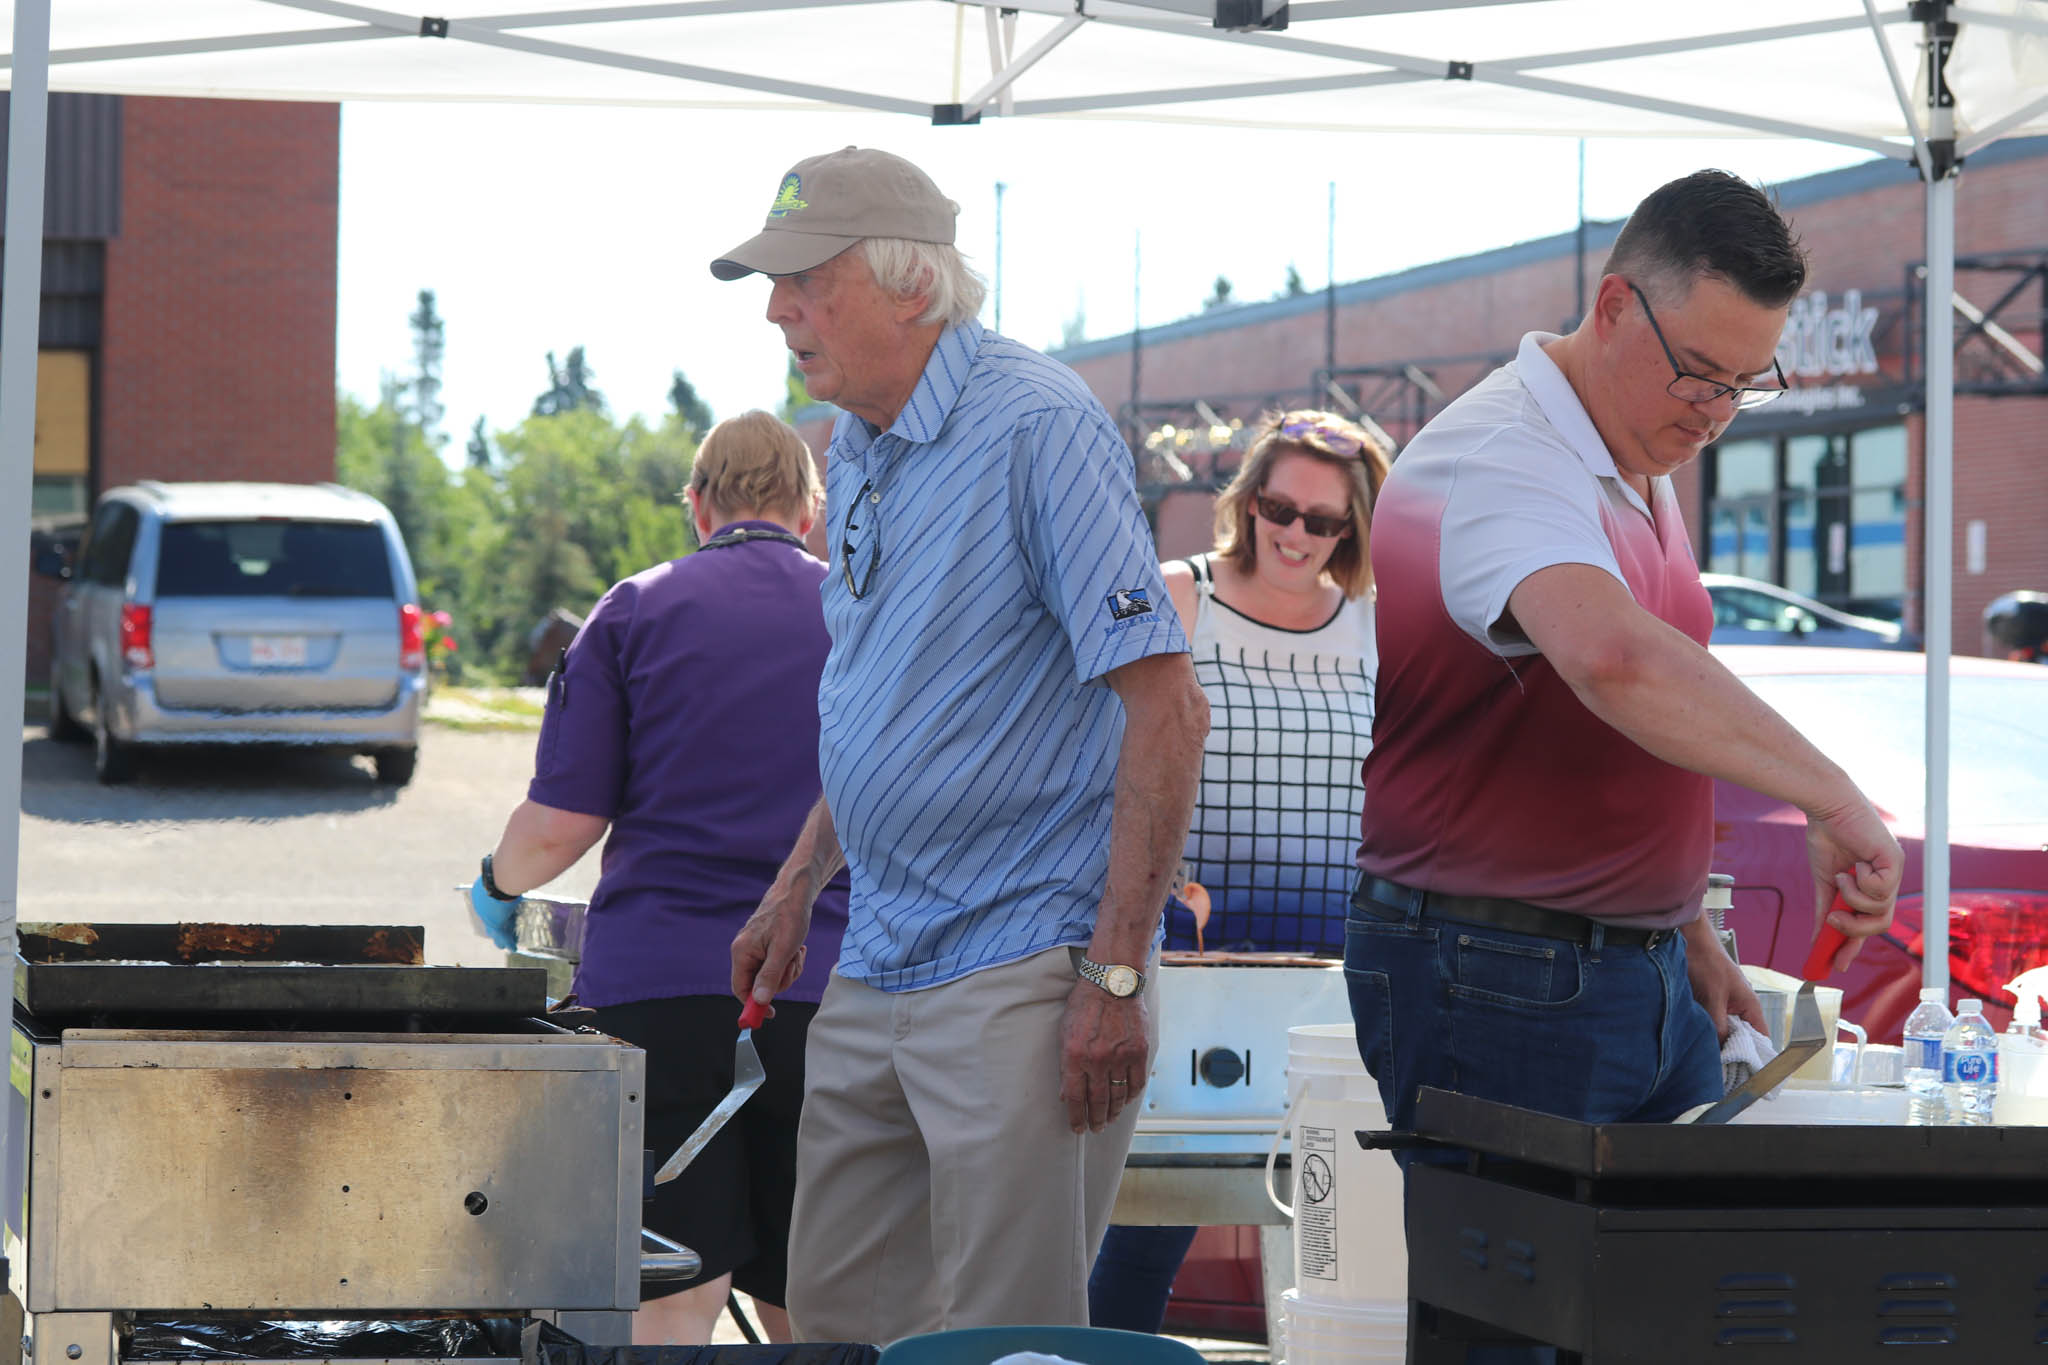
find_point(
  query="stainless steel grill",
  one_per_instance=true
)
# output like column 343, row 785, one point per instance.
column 279, row 1124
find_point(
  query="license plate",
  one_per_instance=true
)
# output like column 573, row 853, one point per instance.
column 277, row 651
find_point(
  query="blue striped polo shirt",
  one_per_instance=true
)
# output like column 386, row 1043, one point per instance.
column 967, row 748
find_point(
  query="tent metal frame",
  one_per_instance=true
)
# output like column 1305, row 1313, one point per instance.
column 1929, row 129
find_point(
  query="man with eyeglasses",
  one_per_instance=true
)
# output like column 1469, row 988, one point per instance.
column 1538, row 818
column 1010, row 737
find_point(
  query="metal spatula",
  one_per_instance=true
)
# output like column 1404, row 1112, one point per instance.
column 1804, row 1038
column 747, row 1075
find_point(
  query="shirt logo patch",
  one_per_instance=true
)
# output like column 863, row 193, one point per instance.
column 786, row 199
column 1125, row 603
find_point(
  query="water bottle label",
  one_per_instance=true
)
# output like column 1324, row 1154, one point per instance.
column 1969, row 1068
column 1923, row 1054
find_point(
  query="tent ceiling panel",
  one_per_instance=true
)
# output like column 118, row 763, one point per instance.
column 1538, row 66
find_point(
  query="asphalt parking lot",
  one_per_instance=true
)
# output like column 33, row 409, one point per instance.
column 274, row 836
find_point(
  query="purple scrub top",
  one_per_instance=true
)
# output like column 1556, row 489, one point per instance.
column 687, row 715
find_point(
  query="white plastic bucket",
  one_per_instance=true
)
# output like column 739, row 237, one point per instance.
column 1339, row 1334
column 1350, row 1250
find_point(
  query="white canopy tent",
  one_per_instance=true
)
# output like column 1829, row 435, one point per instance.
column 1928, row 84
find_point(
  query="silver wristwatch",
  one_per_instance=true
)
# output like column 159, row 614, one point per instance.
column 1119, row 980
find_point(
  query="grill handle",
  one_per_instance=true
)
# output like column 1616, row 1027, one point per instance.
column 662, row 1260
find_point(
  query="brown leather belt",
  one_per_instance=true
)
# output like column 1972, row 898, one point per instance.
column 1382, row 899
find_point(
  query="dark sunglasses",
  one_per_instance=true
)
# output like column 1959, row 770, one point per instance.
column 1336, row 440
column 1284, row 514
column 867, row 582
column 1687, row 387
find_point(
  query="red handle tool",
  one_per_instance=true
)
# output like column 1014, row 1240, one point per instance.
column 1820, row 961
column 753, row 1015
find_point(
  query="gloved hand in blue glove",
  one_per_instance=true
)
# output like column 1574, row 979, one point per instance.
column 497, row 918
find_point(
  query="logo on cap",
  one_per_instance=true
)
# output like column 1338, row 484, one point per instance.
column 786, row 201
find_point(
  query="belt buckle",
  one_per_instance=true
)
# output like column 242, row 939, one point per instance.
column 1655, row 937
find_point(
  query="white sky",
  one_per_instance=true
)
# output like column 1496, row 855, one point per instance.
column 546, row 227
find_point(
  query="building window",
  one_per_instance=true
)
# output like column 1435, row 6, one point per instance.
column 1823, row 515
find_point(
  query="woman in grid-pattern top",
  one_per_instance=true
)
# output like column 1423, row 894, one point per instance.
column 1280, row 619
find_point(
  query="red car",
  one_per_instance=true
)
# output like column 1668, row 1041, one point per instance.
column 1865, row 709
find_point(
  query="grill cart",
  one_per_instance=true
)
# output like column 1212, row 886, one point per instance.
column 219, row 1131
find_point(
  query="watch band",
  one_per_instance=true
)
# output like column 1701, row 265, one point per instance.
column 1097, row 974
column 491, row 883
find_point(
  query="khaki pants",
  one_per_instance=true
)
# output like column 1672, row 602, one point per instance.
column 938, row 1185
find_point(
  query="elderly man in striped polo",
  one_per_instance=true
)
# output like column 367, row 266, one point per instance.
column 1011, row 734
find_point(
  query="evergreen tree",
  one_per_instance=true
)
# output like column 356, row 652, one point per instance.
column 479, row 446
column 427, row 346
column 1219, row 297
column 570, row 387
column 694, row 411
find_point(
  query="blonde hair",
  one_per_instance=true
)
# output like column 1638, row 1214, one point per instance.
column 934, row 271
column 756, row 462
column 1327, row 439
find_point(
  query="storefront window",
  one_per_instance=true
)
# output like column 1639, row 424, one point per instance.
column 1823, row 515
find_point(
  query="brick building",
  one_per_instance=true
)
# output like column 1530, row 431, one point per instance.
column 188, row 301
column 1821, row 491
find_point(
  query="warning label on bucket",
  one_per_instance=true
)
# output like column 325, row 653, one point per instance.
column 1315, row 1203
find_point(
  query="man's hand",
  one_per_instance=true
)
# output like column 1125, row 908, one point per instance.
column 1103, row 1055
column 498, row 919
column 768, row 952
column 1717, row 982
column 1853, row 856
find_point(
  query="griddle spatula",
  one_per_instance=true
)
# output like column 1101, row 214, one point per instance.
column 747, row 1075
column 1804, row 1038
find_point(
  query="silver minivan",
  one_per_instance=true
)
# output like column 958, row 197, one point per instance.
column 224, row 613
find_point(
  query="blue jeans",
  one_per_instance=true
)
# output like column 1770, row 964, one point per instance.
column 1605, row 1034
column 1134, row 1273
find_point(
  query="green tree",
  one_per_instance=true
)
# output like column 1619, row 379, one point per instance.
column 684, row 402
column 1294, row 288
column 479, row 446
column 1219, row 296
column 571, row 387
column 427, row 347
column 382, row 452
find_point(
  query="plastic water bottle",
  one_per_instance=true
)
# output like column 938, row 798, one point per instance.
column 1969, row 1067
column 1926, row 1026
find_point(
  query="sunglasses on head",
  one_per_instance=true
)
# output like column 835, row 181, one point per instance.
column 1285, row 513
column 1336, row 440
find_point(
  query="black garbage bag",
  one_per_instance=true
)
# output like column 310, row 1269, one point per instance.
column 557, row 1347
column 250, row 1339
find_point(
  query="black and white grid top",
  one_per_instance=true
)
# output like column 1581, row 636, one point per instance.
column 1276, row 821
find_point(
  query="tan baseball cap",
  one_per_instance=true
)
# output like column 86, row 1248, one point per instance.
column 827, row 203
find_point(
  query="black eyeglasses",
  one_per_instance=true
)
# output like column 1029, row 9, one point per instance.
column 1284, row 514
column 1334, row 439
column 1697, row 388
column 871, row 499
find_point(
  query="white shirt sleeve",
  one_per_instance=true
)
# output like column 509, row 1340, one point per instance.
column 1515, row 504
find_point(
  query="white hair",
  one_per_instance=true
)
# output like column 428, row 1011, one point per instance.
column 933, row 271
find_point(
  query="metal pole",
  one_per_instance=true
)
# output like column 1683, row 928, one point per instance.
column 1330, row 293
column 999, row 256
column 1579, row 246
column 21, row 294
column 1137, row 261
column 1939, row 535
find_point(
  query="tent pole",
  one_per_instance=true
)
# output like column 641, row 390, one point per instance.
column 21, row 295
column 1938, row 517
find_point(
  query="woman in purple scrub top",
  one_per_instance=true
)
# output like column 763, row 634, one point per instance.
column 682, row 728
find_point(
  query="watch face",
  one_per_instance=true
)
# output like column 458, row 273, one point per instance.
column 1120, row 980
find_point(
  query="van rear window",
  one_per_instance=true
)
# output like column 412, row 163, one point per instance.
column 272, row 559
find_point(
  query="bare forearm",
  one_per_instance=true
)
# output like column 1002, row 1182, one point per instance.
column 540, row 843
column 1158, row 767
column 814, row 859
column 1680, row 703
